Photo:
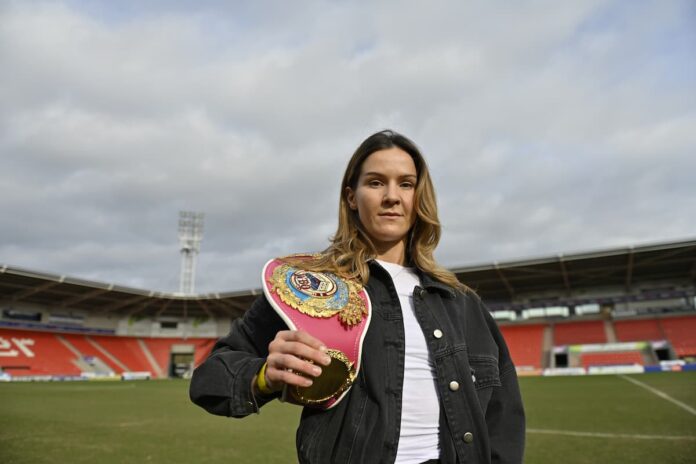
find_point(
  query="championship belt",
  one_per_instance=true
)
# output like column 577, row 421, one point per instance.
column 335, row 310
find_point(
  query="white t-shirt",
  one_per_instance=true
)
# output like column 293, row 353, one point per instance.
column 420, row 407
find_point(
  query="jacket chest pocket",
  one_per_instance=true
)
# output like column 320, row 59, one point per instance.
column 485, row 376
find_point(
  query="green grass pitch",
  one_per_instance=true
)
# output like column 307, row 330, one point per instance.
column 592, row 419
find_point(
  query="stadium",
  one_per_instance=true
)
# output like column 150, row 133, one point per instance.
column 548, row 127
column 604, row 343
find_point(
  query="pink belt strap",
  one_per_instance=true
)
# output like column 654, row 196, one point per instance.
column 337, row 311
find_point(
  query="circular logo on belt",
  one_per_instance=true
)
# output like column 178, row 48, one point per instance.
column 314, row 284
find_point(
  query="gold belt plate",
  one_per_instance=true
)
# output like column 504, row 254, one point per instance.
column 335, row 378
column 319, row 294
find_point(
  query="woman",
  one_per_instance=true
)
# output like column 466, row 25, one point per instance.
column 435, row 382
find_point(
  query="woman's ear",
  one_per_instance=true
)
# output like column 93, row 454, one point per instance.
column 350, row 198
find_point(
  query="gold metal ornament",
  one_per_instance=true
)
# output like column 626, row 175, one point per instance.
column 354, row 311
column 335, row 378
column 319, row 294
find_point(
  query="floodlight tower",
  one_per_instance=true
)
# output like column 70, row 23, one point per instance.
column 190, row 236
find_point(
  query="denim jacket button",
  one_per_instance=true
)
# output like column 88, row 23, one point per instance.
column 454, row 385
column 437, row 333
column 468, row 437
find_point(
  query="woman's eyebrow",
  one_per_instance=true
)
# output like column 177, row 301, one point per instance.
column 381, row 174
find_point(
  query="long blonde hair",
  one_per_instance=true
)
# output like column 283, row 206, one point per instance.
column 351, row 247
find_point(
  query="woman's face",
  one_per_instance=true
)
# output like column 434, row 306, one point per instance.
column 384, row 197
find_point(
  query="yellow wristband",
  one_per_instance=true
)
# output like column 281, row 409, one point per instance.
column 261, row 381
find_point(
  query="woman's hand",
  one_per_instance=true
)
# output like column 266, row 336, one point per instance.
column 290, row 352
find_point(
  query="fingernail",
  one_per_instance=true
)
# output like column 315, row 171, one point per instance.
column 323, row 349
column 316, row 370
column 307, row 383
column 327, row 360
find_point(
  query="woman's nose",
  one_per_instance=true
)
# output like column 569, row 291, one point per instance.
column 391, row 194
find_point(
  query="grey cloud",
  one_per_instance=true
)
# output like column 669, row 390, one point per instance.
column 548, row 127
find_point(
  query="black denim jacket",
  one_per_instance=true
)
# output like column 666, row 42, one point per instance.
column 481, row 413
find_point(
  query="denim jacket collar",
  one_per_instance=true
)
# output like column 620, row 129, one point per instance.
column 428, row 282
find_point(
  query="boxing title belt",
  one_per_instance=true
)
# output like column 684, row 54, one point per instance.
column 337, row 311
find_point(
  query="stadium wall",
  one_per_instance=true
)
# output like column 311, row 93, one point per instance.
column 37, row 317
column 149, row 327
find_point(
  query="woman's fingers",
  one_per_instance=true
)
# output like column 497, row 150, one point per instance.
column 286, row 369
column 301, row 336
column 300, row 344
column 293, row 353
column 301, row 350
column 287, row 378
column 293, row 363
column 304, row 338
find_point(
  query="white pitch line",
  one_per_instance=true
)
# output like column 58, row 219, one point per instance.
column 661, row 394
column 631, row 436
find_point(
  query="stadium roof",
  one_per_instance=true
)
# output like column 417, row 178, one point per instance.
column 59, row 292
column 497, row 282
column 565, row 274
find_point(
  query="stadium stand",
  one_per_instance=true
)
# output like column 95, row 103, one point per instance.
column 24, row 352
column 611, row 359
column 638, row 330
column 641, row 293
column 525, row 344
column 83, row 345
column 125, row 349
column 161, row 349
column 36, row 353
column 579, row 332
column 681, row 332
column 203, row 348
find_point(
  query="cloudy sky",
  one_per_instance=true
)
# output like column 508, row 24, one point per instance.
column 550, row 127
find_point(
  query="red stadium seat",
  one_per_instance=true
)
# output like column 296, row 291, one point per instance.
column 579, row 332
column 638, row 330
column 203, row 348
column 25, row 352
column 525, row 344
column 125, row 349
column 84, row 346
column 681, row 332
column 161, row 349
column 33, row 353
